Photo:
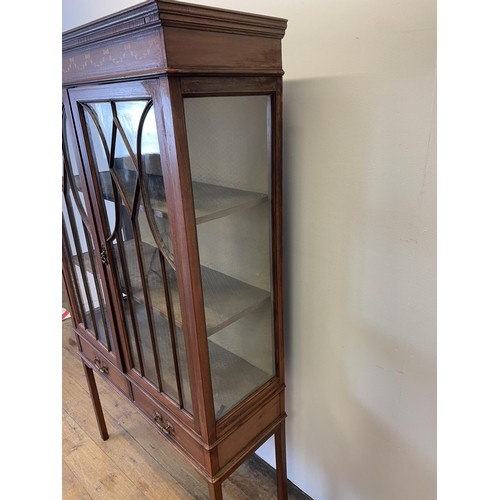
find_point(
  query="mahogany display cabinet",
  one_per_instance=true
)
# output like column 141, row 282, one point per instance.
column 172, row 224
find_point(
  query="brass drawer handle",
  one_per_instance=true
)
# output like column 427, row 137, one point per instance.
column 167, row 429
column 102, row 368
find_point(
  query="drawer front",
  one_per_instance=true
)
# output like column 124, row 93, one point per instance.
column 170, row 427
column 95, row 359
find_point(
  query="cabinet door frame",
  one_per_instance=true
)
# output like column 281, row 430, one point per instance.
column 114, row 357
column 148, row 90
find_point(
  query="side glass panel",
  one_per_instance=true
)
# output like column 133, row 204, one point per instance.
column 78, row 249
column 229, row 152
column 127, row 171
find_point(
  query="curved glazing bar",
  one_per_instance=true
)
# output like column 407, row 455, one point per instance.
column 125, row 154
column 78, row 250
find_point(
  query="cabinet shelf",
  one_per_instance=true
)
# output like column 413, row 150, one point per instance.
column 226, row 299
column 233, row 378
column 211, row 201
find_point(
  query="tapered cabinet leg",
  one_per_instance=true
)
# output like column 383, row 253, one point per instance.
column 215, row 490
column 96, row 401
column 280, row 447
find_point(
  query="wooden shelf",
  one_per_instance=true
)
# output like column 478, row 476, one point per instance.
column 211, row 201
column 233, row 378
column 226, row 299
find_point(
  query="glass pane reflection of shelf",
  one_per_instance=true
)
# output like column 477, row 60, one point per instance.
column 211, row 201
column 226, row 299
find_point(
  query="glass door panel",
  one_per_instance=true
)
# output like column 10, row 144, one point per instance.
column 127, row 174
column 78, row 249
column 229, row 153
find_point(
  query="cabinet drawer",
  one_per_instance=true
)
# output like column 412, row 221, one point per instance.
column 170, row 427
column 104, row 367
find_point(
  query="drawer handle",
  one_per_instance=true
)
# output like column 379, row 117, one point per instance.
column 167, row 429
column 102, row 368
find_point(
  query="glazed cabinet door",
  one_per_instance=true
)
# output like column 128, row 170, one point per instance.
column 235, row 174
column 117, row 127
column 83, row 277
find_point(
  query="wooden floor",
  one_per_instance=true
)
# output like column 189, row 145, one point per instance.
column 134, row 463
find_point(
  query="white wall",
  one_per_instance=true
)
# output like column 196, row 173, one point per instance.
column 360, row 242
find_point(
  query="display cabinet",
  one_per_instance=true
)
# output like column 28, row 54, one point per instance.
column 172, row 224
